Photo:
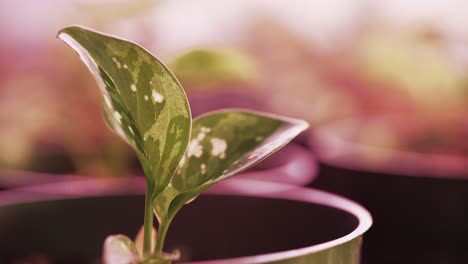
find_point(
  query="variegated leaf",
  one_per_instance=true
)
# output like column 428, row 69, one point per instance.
column 223, row 144
column 143, row 101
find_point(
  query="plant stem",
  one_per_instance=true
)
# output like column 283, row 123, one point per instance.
column 148, row 222
column 163, row 227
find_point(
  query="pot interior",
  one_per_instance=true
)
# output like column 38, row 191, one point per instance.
column 213, row 227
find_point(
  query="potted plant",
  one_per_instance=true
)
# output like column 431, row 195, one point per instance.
column 236, row 221
column 146, row 106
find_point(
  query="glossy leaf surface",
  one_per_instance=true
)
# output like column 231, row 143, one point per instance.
column 143, row 102
column 223, row 144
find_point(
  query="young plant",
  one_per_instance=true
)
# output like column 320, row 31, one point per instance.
column 145, row 105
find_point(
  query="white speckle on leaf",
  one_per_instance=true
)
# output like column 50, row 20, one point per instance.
column 146, row 98
column 125, row 66
column 151, row 82
column 203, row 168
column 259, row 138
column 131, row 130
column 117, row 62
column 201, row 136
column 205, row 129
column 194, row 149
column 118, row 116
column 219, row 147
column 133, row 87
column 157, row 97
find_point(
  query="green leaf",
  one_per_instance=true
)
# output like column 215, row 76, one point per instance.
column 143, row 101
column 206, row 67
column 119, row 249
column 223, row 144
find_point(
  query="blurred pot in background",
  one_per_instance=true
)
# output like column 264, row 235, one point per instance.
column 424, row 66
column 405, row 157
column 411, row 172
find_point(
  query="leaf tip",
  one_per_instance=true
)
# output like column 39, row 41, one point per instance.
column 303, row 125
column 67, row 30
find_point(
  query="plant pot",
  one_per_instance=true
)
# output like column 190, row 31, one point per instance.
column 10, row 179
column 417, row 199
column 237, row 221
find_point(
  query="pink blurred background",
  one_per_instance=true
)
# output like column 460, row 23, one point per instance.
column 384, row 85
column 323, row 61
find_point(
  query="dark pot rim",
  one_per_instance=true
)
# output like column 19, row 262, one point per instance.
column 333, row 149
column 243, row 187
